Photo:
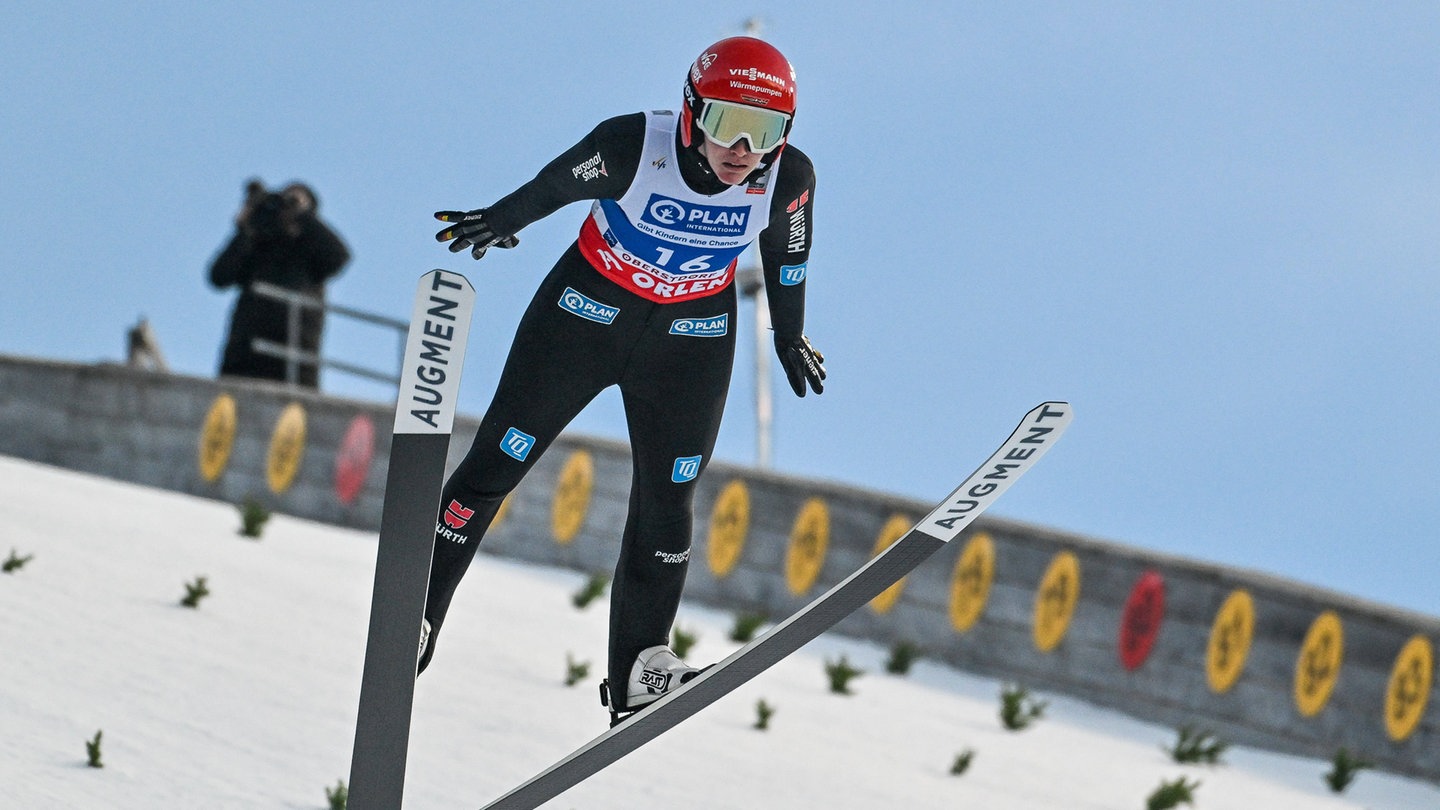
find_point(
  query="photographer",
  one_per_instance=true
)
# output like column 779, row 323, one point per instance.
column 278, row 239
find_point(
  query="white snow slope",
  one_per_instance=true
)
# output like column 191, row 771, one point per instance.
column 249, row 700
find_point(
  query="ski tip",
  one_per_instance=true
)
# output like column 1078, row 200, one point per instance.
column 1051, row 410
column 447, row 278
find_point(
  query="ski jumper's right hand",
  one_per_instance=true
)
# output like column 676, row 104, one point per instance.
column 471, row 230
column 803, row 364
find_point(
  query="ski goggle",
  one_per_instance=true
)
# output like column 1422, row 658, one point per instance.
column 726, row 122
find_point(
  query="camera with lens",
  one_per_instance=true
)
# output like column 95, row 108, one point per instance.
column 267, row 217
column 276, row 214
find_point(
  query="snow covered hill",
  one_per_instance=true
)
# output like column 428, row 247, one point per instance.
column 249, row 700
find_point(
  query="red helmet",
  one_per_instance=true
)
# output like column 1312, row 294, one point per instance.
column 739, row 87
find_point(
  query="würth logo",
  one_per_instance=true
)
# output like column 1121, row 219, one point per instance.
column 456, row 516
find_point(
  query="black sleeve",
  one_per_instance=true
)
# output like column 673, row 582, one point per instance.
column 600, row 166
column 785, row 243
column 232, row 265
column 324, row 251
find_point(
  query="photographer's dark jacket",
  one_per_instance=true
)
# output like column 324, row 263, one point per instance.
column 302, row 262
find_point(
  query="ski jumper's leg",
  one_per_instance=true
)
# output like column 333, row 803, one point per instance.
column 558, row 362
column 674, row 390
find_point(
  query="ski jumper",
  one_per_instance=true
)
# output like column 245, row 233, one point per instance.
column 643, row 300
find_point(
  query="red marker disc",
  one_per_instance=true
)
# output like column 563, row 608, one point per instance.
column 352, row 462
column 1140, row 622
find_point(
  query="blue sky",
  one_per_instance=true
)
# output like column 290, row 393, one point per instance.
column 1211, row 227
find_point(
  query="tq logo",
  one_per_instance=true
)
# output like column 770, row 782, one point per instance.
column 686, row 468
column 517, row 444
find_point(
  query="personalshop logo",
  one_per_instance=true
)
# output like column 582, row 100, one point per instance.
column 590, row 169
column 517, row 444
column 710, row 220
column 718, row 326
column 687, row 468
column 587, row 308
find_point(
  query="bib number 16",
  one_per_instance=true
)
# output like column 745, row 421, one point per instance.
column 699, row 264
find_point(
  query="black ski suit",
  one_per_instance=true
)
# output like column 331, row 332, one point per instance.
column 673, row 385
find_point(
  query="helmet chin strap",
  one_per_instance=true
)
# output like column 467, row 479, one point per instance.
column 765, row 163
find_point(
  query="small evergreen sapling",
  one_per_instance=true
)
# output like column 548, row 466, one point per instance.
column 902, row 656
column 575, row 671
column 681, row 642
column 194, row 592
column 15, row 562
column 745, row 626
column 253, row 515
column 1197, row 747
column 962, row 762
column 841, row 674
column 92, row 752
column 338, row 796
column 763, row 712
column 1344, row 768
column 593, row 589
column 1017, row 709
column 1172, row 794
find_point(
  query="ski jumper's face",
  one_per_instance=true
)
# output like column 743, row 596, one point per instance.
column 731, row 164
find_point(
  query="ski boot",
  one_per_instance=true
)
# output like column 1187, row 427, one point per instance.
column 657, row 670
column 427, row 649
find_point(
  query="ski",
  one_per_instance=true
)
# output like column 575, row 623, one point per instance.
column 1040, row 429
column 424, row 417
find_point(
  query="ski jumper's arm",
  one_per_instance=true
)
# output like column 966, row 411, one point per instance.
column 600, row 166
column 785, row 244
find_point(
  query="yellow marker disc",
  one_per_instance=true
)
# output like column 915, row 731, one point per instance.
column 1409, row 688
column 729, row 521
column 1230, row 638
column 809, row 539
column 1055, row 601
column 970, row 584
column 217, row 437
column 894, row 529
column 287, row 448
column 572, row 496
column 1318, row 666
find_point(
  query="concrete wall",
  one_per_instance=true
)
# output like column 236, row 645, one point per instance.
column 1023, row 617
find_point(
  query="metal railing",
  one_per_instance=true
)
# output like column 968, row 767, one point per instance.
column 295, row 357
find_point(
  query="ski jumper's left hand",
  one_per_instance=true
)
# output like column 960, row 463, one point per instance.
column 473, row 230
column 803, row 364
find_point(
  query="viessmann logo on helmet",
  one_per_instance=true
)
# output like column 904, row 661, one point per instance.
column 693, row 218
column 755, row 74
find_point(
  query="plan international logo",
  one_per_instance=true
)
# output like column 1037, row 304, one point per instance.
column 718, row 326
column 695, row 218
column 587, row 308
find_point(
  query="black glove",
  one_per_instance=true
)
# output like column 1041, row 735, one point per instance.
column 801, row 363
column 473, row 231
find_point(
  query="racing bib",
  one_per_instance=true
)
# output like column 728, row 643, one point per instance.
column 664, row 242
